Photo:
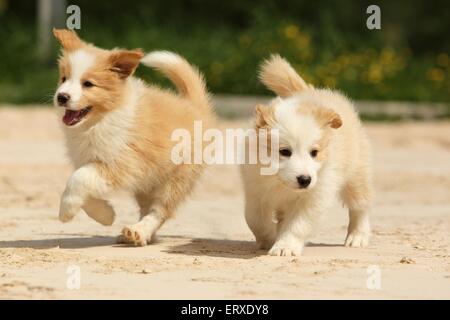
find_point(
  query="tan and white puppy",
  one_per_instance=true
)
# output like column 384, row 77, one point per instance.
column 118, row 132
column 323, row 157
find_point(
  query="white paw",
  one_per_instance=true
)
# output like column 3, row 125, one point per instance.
column 68, row 209
column 357, row 239
column 135, row 235
column 284, row 249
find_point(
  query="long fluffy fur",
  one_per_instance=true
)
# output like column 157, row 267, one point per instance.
column 280, row 215
column 278, row 75
column 185, row 77
column 125, row 141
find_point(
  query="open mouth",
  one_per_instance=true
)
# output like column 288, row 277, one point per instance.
column 72, row 117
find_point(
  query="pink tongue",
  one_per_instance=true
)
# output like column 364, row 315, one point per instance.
column 71, row 117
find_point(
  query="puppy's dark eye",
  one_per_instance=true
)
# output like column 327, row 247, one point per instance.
column 88, row 84
column 63, row 79
column 314, row 153
column 285, row 152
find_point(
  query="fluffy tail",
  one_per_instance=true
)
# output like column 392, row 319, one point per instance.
column 278, row 75
column 186, row 78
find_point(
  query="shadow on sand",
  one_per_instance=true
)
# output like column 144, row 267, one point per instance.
column 73, row 242
column 193, row 247
column 226, row 248
column 216, row 248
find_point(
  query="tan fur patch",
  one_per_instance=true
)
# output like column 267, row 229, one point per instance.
column 324, row 116
column 124, row 62
column 64, row 68
column 264, row 116
column 69, row 39
column 278, row 75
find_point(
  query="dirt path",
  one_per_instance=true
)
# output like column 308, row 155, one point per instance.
column 207, row 250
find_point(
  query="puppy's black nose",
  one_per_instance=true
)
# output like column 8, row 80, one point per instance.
column 62, row 98
column 303, row 181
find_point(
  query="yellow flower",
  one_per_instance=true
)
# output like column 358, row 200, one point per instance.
column 343, row 60
column 375, row 74
column 302, row 42
column 387, row 56
column 291, row 31
column 436, row 75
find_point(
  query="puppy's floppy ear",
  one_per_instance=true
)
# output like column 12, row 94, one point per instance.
column 124, row 62
column 263, row 115
column 68, row 38
column 328, row 117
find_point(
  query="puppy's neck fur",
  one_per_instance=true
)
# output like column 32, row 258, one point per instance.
column 104, row 140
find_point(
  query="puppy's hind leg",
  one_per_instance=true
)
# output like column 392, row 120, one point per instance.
column 164, row 201
column 128, row 236
column 357, row 196
column 141, row 233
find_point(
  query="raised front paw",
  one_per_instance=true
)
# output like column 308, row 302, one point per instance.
column 294, row 248
column 357, row 239
column 100, row 210
column 69, row 208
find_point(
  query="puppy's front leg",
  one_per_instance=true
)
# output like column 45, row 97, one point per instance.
column 358, row 228
column 100, row 210
column 85, row 183
column 292, row 234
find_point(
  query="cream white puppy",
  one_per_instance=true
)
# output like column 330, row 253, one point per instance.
column 323, row 156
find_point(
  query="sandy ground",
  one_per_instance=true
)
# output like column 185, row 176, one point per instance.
column 207, row 250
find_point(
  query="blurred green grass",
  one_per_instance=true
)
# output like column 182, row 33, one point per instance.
column 328, row 43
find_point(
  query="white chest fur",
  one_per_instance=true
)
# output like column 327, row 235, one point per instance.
column 106, row 140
